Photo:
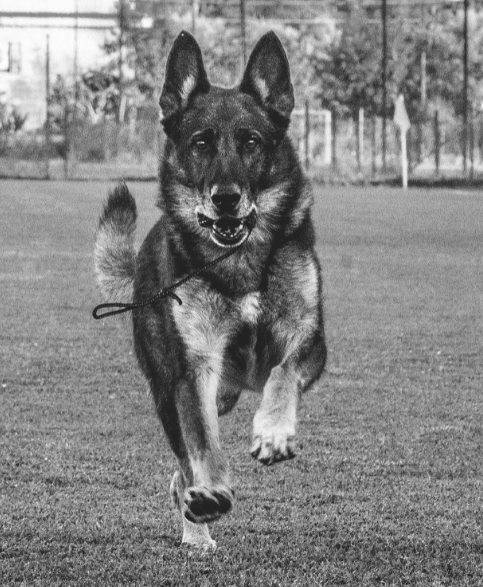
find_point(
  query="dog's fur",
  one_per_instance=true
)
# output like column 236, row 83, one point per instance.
column 229, row 178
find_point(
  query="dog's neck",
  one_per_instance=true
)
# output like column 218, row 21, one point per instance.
column 239, row 274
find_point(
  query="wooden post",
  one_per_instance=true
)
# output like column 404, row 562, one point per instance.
column 437, row 142
column 307, row 136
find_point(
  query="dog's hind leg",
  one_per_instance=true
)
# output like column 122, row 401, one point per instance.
column 196, row 535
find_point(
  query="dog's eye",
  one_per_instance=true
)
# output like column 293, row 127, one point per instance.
column 201, row 145
column 251, row 144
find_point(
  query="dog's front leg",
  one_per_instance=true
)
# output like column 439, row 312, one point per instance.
column 197, row 535
column 290, row 349
column 275, row 420
column 206, row 491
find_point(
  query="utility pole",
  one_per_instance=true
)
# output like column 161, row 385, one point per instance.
column 384, row 80
column 47, row 106
column 243, row 31
column 70, row 111
column 122, row 26
column 424, row 83
column 465, row 86
column 76, row 57
column 194, row 15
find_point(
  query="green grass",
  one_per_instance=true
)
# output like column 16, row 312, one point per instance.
column 385, row 484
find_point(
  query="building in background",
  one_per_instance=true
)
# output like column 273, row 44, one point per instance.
column 25, row 25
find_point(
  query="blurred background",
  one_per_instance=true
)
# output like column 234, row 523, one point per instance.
column 80, row 82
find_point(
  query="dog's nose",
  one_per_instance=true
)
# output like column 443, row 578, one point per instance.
column 226, row 201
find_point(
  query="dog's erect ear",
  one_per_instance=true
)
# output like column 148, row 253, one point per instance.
column 267, row 77
column 185, row 76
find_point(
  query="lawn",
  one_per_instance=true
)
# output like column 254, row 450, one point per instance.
column 384, row 488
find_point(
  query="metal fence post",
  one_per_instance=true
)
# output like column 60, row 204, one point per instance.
column 307, row 136
column 327, row 137
column 437, row 141
column 360, row 138
column 65, row 154
column 373, row 146
column 334, row 139
column 471, row 140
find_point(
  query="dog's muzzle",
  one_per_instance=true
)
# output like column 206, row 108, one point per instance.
column 228, row 231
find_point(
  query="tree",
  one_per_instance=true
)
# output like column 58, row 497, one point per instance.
column 146, row 35
column 347, row 73
column 11, row 120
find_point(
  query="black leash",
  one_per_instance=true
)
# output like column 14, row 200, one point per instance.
column 162, row 293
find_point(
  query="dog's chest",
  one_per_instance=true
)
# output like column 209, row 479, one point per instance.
column 207, row 320
column 250, row 307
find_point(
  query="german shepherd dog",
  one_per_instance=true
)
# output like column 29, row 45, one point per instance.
column 229, row 179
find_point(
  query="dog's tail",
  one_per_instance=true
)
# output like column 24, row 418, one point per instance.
column 114, row 253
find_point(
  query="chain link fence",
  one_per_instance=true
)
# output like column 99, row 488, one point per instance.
column 334, row 148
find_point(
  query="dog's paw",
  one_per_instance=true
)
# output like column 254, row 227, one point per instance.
column 199, row 548
column 203, row 504
column 196, row 537
column 273, row 445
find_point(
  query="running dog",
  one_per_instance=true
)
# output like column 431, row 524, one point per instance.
column 230, row 179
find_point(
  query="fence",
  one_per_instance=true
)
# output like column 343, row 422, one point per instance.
column 82, row 150
column 352, row 150
column 333, row 147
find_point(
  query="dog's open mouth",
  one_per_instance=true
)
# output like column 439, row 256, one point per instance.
column 228, row 231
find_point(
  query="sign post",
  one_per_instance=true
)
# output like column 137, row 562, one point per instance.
column 401, row 120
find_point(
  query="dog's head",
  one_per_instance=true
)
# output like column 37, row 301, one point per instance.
column 223, row 143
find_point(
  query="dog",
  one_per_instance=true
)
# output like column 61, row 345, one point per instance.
column 230, row 182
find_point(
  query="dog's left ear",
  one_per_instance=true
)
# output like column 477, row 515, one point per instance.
column 185, row 76
column 267, row 78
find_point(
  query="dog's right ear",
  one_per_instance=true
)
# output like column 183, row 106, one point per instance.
column 185, row 76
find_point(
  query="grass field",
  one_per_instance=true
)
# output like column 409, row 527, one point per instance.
column 384, row 488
